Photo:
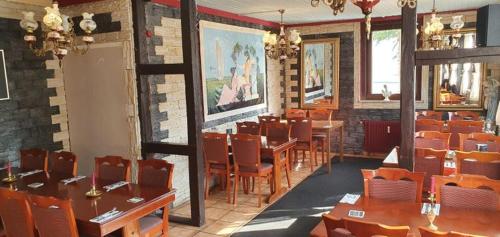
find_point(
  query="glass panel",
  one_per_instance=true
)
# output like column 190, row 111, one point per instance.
column 386, row 61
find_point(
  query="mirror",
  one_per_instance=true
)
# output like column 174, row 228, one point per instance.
column 459, row 86
column 319, row 80
column 464, row 39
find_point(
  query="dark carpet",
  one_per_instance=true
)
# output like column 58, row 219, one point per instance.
column 300, row 210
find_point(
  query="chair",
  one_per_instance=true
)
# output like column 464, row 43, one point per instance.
column 461, row 126
column 429, row 161
column 281, row 132
column 468, row 142
column 359, row 228
column 34, row 159
column 64, row 163
column 320, row 114
column 335, row 227
column 429, row 114
column 217, row 162
column 468, row 191
column 16, row 213
column 465, row 115
column 429, row 125
column 481, row 163
column 248, row 127
column 296, row 113
column 321, row 137
column 393, row 184
column 265, row 120
column 425, row 232
column 155, row 173
column 301, row 128
column 113, row 168
column 53, row 217
column 432, row 139
column 247, row 163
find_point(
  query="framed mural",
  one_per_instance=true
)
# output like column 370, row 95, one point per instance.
column 233, row 70
column 4, row 85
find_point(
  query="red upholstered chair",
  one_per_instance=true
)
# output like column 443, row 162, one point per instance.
column 248, row 127
column 425, row 232
column 468, row 142
column 247, row 162
column 360, row 228
column 393, row 184
column 113, row 168
column 16, row 213
column 429, row 125
column 429, row 114
column 265, row 120
column 432, row 139
column 296, row 113
column 465, row 115
column 481, row 163
column 64, row 163
column 155, row 173
column 321, row 137
column 215, row 152
column 34, row 159
column 465, row 127
column 53, row 217
column 429, row 161
column 280, row 132
column 301, row 128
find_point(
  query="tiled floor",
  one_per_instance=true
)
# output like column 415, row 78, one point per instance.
column 222, row 218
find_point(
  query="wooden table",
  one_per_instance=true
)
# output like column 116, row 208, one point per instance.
column 391, row 161
column 405, row 213
column 88, row 208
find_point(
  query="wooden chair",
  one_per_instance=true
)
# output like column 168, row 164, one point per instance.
column 248, row 127
column 280, row 132
column 481, row 163
column 432, row 139
column 321, row 137
column 465, row 127
column 155, row 173
column 426, row 232
column 465, row 115
column 247, row 162
column 360, row 228
column 16, row 213
column 53, row 217
column 64, row 163
column 113, row 168
column 296, row 113
column 34, row 159
column 217, row 162
column 429, row 114
column 393, row 184
column 468, row 191
column 468, row 142
column 429, row 161
column 301, row 128
column 335, row 227
column 265, row 120
column 429, row 125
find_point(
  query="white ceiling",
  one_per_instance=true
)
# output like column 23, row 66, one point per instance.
column 301, row 11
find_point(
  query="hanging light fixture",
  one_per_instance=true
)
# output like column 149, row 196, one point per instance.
column 366, row 7
column 434, row 29
column 336, row 5
column 280, row 46
column 58, row 34
column 456, row 24
column 409, row 3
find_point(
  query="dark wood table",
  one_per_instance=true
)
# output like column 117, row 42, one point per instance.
column 405, row 213
column 88, row 208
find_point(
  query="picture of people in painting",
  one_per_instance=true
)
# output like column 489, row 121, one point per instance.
column 460, row 83
column 314, row 70
column 234, row 69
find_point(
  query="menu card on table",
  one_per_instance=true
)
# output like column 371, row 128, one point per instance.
column 350, row 198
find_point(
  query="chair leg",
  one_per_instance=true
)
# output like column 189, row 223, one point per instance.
column 303, row 155
column 296, row 156
column 259, row 191
column 228, row 186
column 235, row 194
column 323, row 153
column 311, row 159
column 253, row 184
column 207, row 178
column 221, row 182
column 287, row 171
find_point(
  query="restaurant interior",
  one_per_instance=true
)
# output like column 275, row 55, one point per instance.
column 182, row 118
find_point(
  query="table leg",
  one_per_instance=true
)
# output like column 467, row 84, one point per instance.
column 342, row 143
column 132, row 229
column 278, row 189
column 328, row 150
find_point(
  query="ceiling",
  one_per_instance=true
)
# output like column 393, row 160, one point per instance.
column 301, row 11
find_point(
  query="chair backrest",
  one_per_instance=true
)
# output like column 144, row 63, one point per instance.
column 248, row 127
column 296, row 113
column 278, row 131
column 63, row 162
column 361, row 228
column 335, row 227
column 53, row 217
column 468, row 142
column 481, row 163
column 246, row 150
column 393, row 184
column 113, row 168
column 33, row 159
column 320, row 114
column 215, row 149
column 465, row 115
column 462, row 126
column 426, row 232
column 16, row 213
column 432, row 139
column 301, row 128
column 468, row 191
column 429, row 161
column 155, row 173
column 429, row 125
column 265, row 120
column 429, row 114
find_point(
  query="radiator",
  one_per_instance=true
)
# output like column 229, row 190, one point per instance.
column 381, row 136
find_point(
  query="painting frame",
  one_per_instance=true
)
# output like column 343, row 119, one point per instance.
column 5, row 81
column 251, row 96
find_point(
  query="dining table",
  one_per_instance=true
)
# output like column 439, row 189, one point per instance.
column 86, row 208
column 408, row 213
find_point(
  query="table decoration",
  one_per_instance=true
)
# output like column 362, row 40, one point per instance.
column 10, row 177
column 93, row 191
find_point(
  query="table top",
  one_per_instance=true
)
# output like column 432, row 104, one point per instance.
column 324, row 124
column 274, row 145
column 406, row 213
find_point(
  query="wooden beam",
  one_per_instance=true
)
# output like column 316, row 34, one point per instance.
column 408, row 47
column 168, row 148
column 476, row 55
column 192, row 78
column 160, row 69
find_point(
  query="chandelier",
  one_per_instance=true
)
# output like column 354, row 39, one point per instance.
column 456, row 24
column 336, row 5
column 279, row 46
column 409, row 3
column 366, row 7
column 58, row 35
column 434, row 29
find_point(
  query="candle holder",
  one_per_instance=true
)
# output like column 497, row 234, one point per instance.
column 431, row 214
column 10, row 178
column 93, row 192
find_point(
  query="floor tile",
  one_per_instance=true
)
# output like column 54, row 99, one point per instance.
column 215, row 213
column 221, row 228
column 182, row 232
column 237, row 217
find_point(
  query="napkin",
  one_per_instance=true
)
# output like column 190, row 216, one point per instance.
column 106, row 216
column 22, row 175
column 71, row 180
column 350, row 198
column 115, row 186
